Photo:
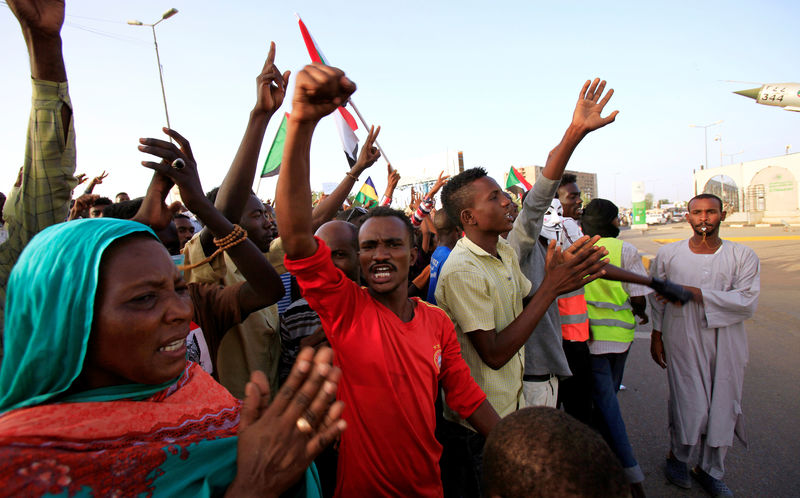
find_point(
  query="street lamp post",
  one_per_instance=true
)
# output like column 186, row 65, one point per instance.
column 734, row 154
column 705, row 131
column 167, row 15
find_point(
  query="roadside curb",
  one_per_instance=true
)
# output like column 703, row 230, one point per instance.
column 760, row 225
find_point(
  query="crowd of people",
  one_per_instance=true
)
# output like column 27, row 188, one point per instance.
column 224, row 345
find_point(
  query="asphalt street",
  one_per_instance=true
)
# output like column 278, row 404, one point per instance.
column 771, row 404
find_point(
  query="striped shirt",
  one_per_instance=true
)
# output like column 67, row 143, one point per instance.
column 479, row 291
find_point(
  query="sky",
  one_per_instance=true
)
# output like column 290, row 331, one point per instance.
column 498, row 81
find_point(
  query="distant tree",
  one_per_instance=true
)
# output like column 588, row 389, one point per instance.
column 648, row 201
column 661, row 202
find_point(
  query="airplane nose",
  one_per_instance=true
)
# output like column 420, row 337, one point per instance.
column 751, row 93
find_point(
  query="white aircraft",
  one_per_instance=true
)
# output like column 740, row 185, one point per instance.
column 786, row 95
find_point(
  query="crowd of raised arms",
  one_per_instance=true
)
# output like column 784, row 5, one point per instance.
column 227, row 345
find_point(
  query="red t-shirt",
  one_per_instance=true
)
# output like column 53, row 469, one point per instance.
column 390, row 371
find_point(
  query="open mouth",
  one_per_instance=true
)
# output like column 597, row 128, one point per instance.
column 381, row 273
column 173, row 346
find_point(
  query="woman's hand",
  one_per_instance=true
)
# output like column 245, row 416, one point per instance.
column 278, row 441
column 178, row 165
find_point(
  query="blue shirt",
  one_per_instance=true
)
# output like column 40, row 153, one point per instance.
column 437, row 261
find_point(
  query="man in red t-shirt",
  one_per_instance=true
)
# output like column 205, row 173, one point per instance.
column 392, row 350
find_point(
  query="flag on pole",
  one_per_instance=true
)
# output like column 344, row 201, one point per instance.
column 272, row 165
column 516, row 178
column 345, row 122
column 367, row 196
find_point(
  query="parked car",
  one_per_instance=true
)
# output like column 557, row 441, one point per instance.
column 655, row 218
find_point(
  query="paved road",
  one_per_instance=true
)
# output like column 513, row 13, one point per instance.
column 772, row 382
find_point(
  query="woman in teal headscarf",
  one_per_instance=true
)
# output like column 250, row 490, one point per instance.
column 96, row 396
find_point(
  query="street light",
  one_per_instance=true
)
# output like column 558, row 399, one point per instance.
column 705, row 130
column 165, row 16
column 718, row 138
column 734, row 154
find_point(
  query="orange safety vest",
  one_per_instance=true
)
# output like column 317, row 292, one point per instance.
column 574, row 316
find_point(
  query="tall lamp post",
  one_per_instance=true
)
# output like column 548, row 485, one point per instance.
column 705, row 131
column 734, row 154
column 167, row 15
column 718, row 138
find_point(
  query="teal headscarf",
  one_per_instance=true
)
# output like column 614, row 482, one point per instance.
column 49, row 309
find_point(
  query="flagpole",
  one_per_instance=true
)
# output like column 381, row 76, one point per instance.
column 366, row 126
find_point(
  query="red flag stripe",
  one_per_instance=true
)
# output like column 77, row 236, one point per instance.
column 522, row 179
column 348, row 118
column 312, row 49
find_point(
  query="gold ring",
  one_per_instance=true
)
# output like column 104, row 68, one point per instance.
column 303, row 425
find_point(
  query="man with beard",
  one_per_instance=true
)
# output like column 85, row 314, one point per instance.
column 703, row 344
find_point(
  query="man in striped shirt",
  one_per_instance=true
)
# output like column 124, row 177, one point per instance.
column 482, row 287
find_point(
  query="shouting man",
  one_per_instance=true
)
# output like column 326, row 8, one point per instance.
column 392, row 350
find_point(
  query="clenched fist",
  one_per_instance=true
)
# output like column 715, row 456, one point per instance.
column 319, row 91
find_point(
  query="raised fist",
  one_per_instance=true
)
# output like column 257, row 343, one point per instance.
column 319, row 91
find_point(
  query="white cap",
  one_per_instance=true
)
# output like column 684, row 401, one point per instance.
column 553, row 221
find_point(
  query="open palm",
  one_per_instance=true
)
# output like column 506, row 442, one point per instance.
column 588, row 110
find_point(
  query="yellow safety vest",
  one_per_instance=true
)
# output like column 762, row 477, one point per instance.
column 609, row 306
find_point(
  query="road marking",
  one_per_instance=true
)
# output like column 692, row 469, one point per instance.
column 740, row 239
column 647, row 259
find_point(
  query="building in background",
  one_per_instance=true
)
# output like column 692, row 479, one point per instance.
column 587, row 182
column 764, row 190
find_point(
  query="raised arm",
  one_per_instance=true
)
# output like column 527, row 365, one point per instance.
column 318, row 92
column 585, row 119
column 263, row 286
column 425, row 205
column 97, row 180
column 392, row 179
column 46, row 180
column 327, row 208
column 238, row 183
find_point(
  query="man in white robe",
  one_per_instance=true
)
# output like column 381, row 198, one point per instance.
column 704, row 345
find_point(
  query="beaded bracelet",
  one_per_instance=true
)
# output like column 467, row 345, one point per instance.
column 236, row 233
column 351, row 175
column 237, row 236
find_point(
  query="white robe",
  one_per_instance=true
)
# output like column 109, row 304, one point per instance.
column 706, row 344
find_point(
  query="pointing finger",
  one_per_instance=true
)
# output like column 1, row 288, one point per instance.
column 270, row 56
